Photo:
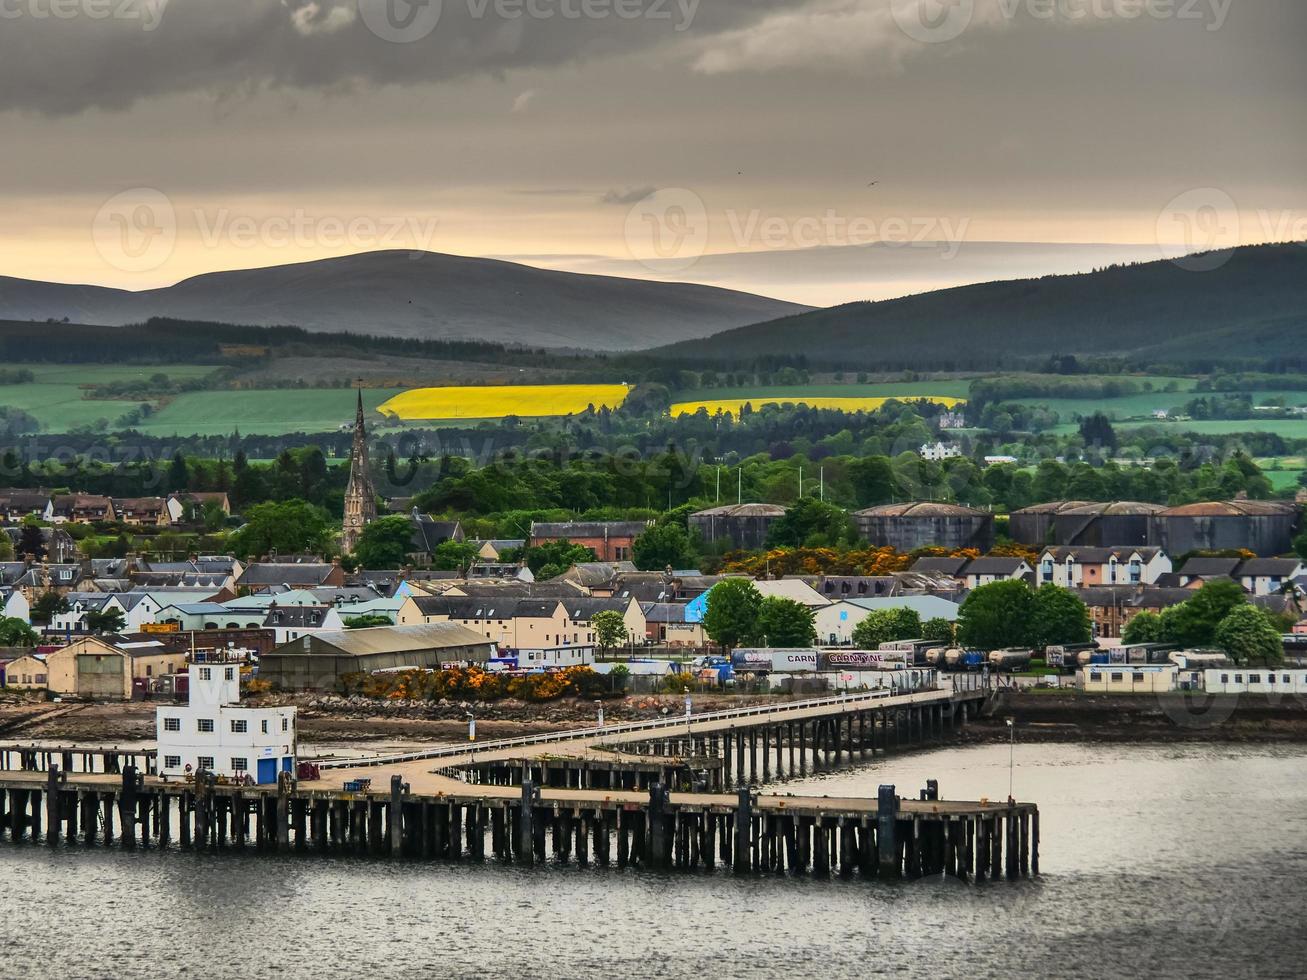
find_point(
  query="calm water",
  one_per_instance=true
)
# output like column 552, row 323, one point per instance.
column 1175, row 862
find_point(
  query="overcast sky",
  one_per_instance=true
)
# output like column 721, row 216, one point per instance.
column 146, row 141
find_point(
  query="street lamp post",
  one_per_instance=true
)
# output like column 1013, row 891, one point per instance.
column 471, row 726
column 600, row 706
column 1011, row 754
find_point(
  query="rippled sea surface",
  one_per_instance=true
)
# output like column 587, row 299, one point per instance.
column 1157, row 862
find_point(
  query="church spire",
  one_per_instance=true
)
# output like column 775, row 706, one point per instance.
column 360, row 496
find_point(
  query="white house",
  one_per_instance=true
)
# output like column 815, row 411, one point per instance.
column 1268, row 576
column 293, row 622
column 835, row 623
column 1079, row 568
column 214, row 733
column 938, row 451
column 14, row 605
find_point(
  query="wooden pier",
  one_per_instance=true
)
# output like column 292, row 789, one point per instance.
column 747, row 832
column 671, row 794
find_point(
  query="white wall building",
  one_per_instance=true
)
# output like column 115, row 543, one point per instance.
column 938, row 451
column 213, row 732
column 1255, row 680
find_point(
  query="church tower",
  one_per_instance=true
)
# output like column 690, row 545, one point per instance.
column 360, row 496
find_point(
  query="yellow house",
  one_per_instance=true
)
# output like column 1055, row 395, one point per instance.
column 524, row 624
column 93, row 668
column 28, row 673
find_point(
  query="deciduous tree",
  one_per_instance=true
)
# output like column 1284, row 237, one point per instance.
column 732, row 613
column 785, row 623
column 996, row 616
column 1250, row 638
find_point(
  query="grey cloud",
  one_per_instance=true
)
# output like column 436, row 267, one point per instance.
column 61, row 65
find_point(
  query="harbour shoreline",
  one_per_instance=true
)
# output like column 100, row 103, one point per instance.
column 1039, row 717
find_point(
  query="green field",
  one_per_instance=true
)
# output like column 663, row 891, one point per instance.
column 86, row 374
column 60, row 407
column 1283, row 479
column 793, row 393
column 267, row 412
column 1285, row 428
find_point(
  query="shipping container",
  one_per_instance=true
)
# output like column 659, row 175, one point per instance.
column 766, row 660
column 860, row 659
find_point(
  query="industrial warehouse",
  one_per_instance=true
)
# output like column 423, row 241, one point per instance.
column 318, row 661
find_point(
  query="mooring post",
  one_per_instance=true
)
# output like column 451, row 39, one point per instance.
column 285, row 783
column 743, row 830
column 52, row 806
column 127, row 806
column 658, row 819
column 394, row 815
column 887, row 813
column 525, row 824
column 1034, row 842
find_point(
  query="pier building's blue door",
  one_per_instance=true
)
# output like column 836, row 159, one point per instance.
column 267, row 771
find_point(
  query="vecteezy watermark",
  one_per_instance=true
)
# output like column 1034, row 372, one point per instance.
column 933, row 21
column 752, row 229
column 1204, row 224
column 401, row 21
column 407, row 21
column 1200, row 229
column 148, row 13
column 668, row 230
column 940, row 21
column 137, row 230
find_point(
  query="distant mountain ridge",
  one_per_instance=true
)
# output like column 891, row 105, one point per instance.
column 1253, row 307
column 417, row 294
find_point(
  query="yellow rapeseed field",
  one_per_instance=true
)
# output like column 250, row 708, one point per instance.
column 734, row 405
column 495, row 402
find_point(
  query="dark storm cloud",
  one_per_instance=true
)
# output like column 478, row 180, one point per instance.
column 62, row 56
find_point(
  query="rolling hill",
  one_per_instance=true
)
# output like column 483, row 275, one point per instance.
column 424, row 295
column 1251, row 308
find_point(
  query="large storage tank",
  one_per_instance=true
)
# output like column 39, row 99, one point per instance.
column 907, row 527
column 1034, row 525
column 1264, row 527
column 743, row 526
column 1125, row 523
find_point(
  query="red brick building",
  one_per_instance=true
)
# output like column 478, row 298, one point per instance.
column 610, row 540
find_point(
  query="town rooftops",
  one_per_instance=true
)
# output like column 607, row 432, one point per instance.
column 281, row 573
column 588, row 529
column 940, row 566
column 400, row 639
column 1210, row 567
column 23, row 501
column 1269, row 567
column 663, row 612
column 995, row 565
column 1098, row 556
column 856, row 586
